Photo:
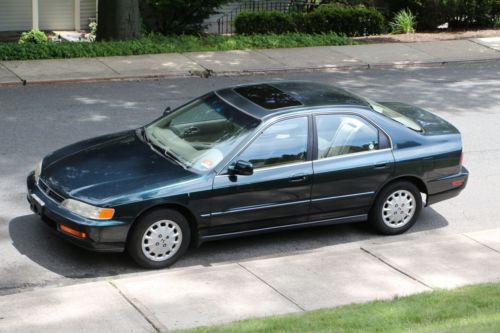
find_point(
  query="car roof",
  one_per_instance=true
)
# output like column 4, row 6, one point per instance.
column 262, row 100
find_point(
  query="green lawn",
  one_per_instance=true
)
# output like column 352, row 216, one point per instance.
column 469, row 309
column 166, row 44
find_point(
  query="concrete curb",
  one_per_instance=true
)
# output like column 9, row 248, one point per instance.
column 98, row 79
column 334, row 68
column 329, row 68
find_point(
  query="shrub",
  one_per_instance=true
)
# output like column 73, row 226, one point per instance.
column 93, row 31
column 264, row 22
column 458, row 13
column 403, row 22
column 475, row 13
column 350, row 21
column 93, row 28
column 33, row 36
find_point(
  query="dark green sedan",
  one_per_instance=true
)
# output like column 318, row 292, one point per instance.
column 247, row 160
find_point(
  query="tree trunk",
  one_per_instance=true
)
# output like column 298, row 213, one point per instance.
column 118, row 20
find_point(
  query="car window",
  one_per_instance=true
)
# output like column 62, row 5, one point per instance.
column 282, row 143
column 344, row 134
column 396, row 116
column 199, row 112
column 200, row 134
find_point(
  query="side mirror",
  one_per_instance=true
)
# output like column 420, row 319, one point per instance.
column 167, row 110
column 243, row 168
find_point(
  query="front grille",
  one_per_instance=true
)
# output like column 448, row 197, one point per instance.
column 50, row 192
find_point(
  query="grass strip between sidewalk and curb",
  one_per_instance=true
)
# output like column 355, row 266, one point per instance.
column 167, row 44
column 469, row 309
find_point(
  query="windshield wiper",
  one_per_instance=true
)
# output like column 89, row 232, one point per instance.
column 159, row 150
column 141, row 133
column 172, row 156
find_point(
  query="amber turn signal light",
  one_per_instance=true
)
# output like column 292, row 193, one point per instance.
column 106, row 213
column 72, row 232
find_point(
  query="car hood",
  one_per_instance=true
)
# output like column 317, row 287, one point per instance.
column 104, row 168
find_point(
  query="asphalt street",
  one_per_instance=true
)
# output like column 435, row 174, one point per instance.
column 34, row 120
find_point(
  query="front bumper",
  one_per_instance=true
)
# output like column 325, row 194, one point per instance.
column 101, row 236
column 443, row 189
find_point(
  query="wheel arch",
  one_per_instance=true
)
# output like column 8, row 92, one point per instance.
column 415, row 180
column 186, row 212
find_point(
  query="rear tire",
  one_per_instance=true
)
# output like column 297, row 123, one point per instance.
column 159, row 239
column 396, row 208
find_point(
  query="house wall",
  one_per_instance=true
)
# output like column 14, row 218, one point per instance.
column 87, row 10
column 15, row 15
column 56, row 14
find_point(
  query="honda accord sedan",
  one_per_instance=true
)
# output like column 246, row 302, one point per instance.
column 247, row 160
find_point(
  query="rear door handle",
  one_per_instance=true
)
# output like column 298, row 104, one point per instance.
column 297, row 178
column 381, row 165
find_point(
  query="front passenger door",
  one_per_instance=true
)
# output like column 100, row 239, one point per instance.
column 279, row 190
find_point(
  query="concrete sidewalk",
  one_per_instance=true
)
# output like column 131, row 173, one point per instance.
column 198, row 296
column 249, row 61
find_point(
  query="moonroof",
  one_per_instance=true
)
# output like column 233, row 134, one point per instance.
column 267, row 96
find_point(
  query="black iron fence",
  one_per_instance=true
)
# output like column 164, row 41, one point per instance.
column 225, row 23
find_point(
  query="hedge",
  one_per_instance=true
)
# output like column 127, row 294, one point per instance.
column 349, row 21
column 264, row 22
column 352, row 21
column 166, row 44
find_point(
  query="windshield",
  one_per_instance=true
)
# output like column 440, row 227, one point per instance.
column 200, row 134
column 394, row 115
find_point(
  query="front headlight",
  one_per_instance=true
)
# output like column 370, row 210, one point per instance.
column 88, row 211
column 38, row 171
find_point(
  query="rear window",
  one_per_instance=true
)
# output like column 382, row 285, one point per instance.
column 267, row 96
column 396, row 116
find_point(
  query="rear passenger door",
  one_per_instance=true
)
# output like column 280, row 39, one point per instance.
column 352, row 159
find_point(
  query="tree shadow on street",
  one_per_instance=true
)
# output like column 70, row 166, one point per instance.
column 32, row 238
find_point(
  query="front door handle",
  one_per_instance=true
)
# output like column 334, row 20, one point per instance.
column 297, row 178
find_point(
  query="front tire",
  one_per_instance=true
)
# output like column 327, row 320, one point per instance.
column 159, row 239
column 396, row 208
